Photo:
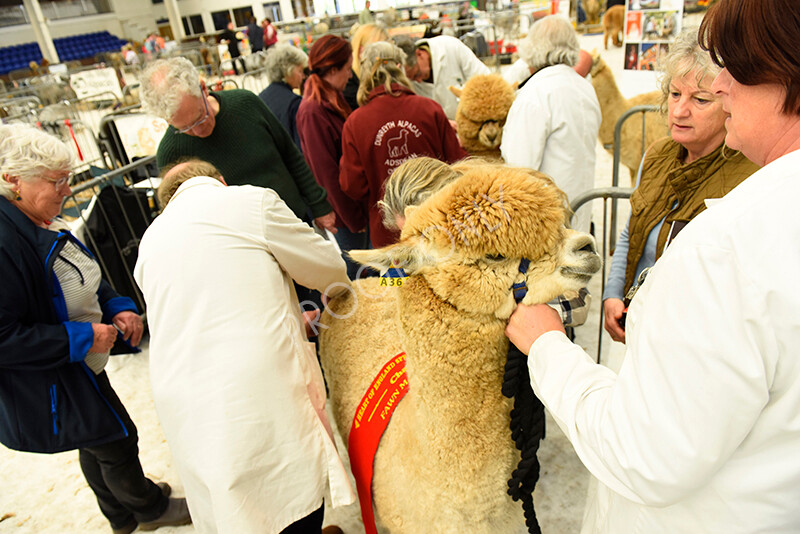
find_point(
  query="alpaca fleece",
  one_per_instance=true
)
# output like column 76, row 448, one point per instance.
column 447, row 454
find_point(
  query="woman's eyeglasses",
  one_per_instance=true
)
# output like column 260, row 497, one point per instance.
column 60, row 182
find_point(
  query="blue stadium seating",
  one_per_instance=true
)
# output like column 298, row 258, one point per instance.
column 70, row 48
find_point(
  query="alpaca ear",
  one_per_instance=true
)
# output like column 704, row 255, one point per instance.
column 455, row 90
column 406, row 254
column 597, row 63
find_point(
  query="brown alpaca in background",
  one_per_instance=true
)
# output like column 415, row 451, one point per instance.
column 613, row 23
column 613, row 105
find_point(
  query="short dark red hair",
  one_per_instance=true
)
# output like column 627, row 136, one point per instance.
column 327, row 53
column 757, row 41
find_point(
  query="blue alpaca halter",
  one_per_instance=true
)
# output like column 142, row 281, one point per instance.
column 520, row 288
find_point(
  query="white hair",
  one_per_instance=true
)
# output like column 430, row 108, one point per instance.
column 26, row 152
column 165, row 82
column 281, row 59
column 550, row 41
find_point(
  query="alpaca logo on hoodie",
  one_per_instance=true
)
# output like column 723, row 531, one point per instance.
column 400, row 138
column 394, row 136
column 398, row 146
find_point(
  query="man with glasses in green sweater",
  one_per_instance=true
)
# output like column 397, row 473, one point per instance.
column 234, row 131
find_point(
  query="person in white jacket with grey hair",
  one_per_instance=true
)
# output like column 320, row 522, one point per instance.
column 552, row 125
column 236, row 384
column 434, row 64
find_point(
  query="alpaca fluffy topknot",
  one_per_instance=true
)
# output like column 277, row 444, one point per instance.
column 493, row 210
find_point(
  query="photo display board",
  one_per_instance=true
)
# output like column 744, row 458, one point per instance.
column 650, row 25
column 140, row 134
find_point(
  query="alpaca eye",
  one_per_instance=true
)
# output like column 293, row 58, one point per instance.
column 495, row 257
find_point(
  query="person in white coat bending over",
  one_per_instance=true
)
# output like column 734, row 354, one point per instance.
column 236, row 384
column 434, row 64
column 552, row 125
column 699, row 431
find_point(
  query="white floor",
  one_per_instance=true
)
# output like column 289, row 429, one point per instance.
column 42, row 494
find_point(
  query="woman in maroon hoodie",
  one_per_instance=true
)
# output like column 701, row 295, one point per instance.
column 320, row 119
column 392, row 125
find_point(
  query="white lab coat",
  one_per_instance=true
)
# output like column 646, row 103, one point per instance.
column 700, row 432
column 552, row 127
column 236, row 385
column 518, row 72
column 452, row 63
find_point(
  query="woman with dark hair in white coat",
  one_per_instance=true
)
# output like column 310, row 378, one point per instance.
column 699, row 431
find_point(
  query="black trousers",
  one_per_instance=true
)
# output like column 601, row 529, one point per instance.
column 310, row 524
column 239, row 66
column 115, row 475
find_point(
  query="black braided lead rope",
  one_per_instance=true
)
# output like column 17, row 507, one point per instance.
column 527, row 430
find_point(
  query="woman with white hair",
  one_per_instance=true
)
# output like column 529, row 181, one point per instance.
column 392, row 125
column 58, row 321
column 553, row 124
column 286, row 66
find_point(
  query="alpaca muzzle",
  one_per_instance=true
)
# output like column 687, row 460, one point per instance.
column 490, row 134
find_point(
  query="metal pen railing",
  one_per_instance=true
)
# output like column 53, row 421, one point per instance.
column 605, row 232
column 617, row 156
column 110, row 214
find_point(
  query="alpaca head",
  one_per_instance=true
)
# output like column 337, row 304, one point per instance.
column 482, row 111
column 468, row 240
